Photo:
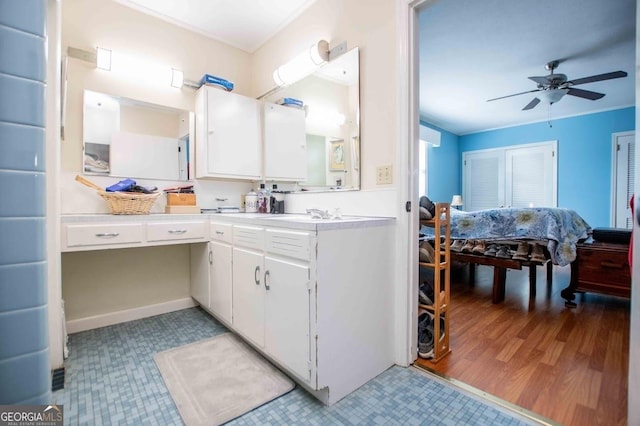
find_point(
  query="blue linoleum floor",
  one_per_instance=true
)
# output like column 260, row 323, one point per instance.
column 111, row 378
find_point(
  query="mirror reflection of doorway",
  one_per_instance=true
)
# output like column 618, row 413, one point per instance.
column 96, row 158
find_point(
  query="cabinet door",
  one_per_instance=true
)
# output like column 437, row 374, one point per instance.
column 221, row 275
column 233, row 136
column 285, row 143
column 248, row 294
column 287, row 314
column 200, row 267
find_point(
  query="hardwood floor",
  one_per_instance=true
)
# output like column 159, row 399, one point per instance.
column 568, row 365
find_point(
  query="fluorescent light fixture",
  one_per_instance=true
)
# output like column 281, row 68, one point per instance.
column 103, row 58
column 303, row 64
column 177, row 78
column 430, row 136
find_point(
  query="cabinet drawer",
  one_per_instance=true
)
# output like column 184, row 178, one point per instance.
column 288, row 243
column 248, row 236
column 107, row 234
column 605, row 267
column 161, row 231
column 221, row 232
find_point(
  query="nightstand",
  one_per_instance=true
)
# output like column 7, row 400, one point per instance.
column 599, row 268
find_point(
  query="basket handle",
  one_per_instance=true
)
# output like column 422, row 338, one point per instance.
column 88, row 183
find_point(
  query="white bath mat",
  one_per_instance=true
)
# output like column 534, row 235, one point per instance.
column 216, row 380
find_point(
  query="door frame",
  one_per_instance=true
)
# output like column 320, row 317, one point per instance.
column 614, row 173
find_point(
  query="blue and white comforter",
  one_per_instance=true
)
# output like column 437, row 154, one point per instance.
column 559, row 229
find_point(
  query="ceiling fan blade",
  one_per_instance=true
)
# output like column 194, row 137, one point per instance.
column 599, row 77
column 586, row 94
column 531, row 104
column 540, row 80
column 515, row 94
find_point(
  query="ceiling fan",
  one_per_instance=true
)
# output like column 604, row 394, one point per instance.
column 554, row 86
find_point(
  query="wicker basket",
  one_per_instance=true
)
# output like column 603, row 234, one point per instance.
column 124, row 202
column 129, row 202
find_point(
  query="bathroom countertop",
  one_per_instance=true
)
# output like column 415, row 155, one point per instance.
column 295, row 221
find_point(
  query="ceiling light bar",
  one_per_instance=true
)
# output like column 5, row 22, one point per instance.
column 303, row 64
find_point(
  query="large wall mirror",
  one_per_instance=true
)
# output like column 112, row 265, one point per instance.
column 128, row 138
column 332, row 101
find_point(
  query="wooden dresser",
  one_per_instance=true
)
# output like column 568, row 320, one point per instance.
column 599, row 268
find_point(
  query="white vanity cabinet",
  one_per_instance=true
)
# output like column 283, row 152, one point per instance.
column 285, row 143
column 211, row 272
column 228, row 135
column 315, row 297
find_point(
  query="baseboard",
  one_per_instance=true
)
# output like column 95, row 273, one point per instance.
column 97, row 321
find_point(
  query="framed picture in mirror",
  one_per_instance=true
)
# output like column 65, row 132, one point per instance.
column 336, row 155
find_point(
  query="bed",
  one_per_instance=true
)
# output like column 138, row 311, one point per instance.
column 559, row 230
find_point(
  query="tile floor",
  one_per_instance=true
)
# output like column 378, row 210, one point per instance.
column 111, row 378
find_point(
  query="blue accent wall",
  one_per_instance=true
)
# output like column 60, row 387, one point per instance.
column 443, row 168
column 584, row 156
column 25, row 376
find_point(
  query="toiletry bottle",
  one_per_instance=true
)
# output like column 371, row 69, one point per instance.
column 267, row 200
column 272, row 199
column 251, row 202
column 262, row 199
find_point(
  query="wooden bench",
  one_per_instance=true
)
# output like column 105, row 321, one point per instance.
column 500, row 266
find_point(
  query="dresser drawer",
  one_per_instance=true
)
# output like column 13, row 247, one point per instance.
column 222, row 232
column 161, row 231
column 288, row 243
column 248, row 236
column 103, row 234
column 604, row 269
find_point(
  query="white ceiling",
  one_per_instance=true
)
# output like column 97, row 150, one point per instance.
column 472, row 50
column 245, row 24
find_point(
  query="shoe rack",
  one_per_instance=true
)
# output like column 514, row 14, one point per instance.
column 441, row 266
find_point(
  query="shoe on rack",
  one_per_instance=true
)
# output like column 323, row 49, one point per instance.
column 425, row 296
column 428, row 204
column 425, row 335
column 491, row 250
column 468, row 246
column 522, row 252
column 503, row 252
column 426, row 252
column 424, row 214
column 425, row 343
column 537, row 254
column 457, row 245
column 480, row 247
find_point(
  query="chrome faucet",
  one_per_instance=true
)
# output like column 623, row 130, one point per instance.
column 318, row 214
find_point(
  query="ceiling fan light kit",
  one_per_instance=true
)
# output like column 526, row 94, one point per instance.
column 553, row 87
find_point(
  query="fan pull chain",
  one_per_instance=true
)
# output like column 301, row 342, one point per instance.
column 549, row 120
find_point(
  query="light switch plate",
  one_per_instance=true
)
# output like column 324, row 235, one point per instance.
column 384, row 175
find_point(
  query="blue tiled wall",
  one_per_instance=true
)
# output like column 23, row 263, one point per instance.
column 24, row 347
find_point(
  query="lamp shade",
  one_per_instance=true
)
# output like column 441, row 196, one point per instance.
column 456, row 201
